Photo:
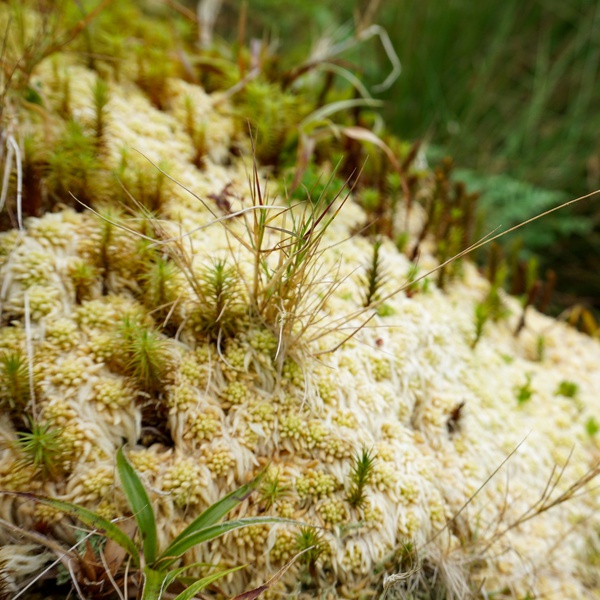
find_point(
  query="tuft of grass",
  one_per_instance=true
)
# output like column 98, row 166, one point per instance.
column 360, row 477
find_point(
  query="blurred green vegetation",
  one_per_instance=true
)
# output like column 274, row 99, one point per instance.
column 509, row 89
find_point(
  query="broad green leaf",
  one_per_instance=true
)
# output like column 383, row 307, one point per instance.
column 102, row 525
column 190, row 592
column 181, row 545
column 174, row 574
column 154, row 584
column 139, row 504
column 213, row 514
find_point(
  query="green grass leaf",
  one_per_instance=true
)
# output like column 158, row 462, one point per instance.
column 89, row 518
column 140, row 505
column 214, row 513
column 191, row 591
column 182, row 544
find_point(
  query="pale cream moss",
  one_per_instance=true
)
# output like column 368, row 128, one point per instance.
column 33, row 267
column 337, row 447
column 315, row 434
column 12, row 339
column 20, row 477
column 332, row 511
column 384, row 476
column 409, row 524
column 373, row 515
column 252, row 538
column 112, row 394
column 48, row 515
column 263, row 413
column 353, row 559
column 345, row 418
column 316, row 484
column 183, row 480
column 292, row 373
column 249, row 437
column 97, row 314
column 182, row 397
column 285, row 509
column 103, row 347
column 219, row 459
column 292, row 426
column 235, row 355
column 285, row 546
column 145, row 460
column 263, row 341
column 409, row 488
column 380, row 368
column 62, row 333
column 92, row 485
column 72, row 432
column 72, row 372
column 384, row 451
column 328, row 389
column 43, row 301
column 53, row 230
column 236, row 392
column 349, row 363
column 193, row 370
column 203, row 426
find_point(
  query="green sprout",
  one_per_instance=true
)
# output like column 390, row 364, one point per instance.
column 272, row 490
column 14, row 387
column 309, row 543
column 592, row 427
column 362, row 473
column 43, row 448
column 568, row 389
column 374, row 277
column 146, row 354
column 524, row 392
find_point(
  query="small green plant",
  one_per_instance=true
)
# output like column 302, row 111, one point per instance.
column 15, row 390
column 73, row 167
column 152, row 570
column 592, row 427
column 362, row 473
column 309, row 543
column 197, row 132
column 219, row 300
column 42, row 448
column 568, row 389
column 272, row 490
column 524, row 392
column 374, row 276
column 147, row 356
column 100, row 94
column 83, row 276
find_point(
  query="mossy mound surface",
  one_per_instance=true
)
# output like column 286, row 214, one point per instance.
column 162, row 320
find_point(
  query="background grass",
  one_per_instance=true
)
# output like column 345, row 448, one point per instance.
column 509, row 89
